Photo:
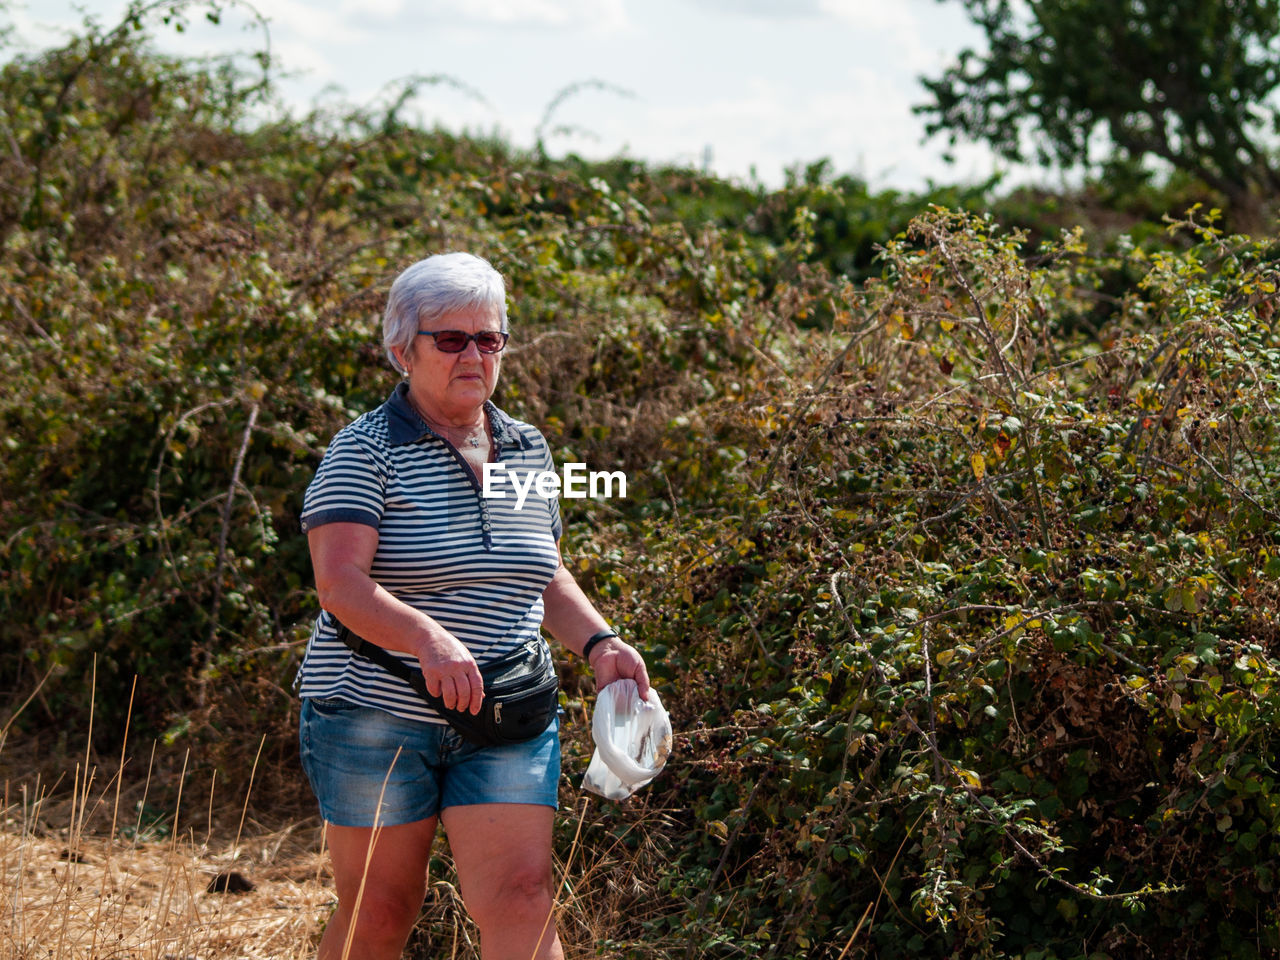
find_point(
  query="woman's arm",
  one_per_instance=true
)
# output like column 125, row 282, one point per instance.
column 571, row 618
column 342, row 555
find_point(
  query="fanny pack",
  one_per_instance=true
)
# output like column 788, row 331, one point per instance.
column 521, row 691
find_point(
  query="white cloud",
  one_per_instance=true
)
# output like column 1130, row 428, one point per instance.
column 765, row 9
column 302, row 58
column 54, row 27
column 381, row 10
column 907, row 31
column 874, row 13
column 318, row 23
column 551, row 13
column 865, row 127
column 562, row 14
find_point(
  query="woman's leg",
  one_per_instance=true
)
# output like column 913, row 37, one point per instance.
column 395, row 882
column 503, row 855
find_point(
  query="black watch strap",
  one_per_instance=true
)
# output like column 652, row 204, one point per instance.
column 596, row 638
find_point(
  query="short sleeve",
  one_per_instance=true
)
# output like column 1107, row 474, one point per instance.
column 350, row 485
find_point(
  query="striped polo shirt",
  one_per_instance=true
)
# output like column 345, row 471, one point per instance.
column 476, row 565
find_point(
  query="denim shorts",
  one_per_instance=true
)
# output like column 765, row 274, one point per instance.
column 347, row 751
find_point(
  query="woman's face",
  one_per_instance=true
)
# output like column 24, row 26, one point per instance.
column 453, row 386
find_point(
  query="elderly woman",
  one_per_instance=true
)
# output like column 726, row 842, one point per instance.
column 410, row 556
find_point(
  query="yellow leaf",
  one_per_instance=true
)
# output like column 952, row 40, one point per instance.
column 979, row 464
column 947, row 324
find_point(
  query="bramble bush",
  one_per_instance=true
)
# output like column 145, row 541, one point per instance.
column 959, row 575
column 982, row 658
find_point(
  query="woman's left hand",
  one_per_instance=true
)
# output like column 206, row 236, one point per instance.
column 612, row 659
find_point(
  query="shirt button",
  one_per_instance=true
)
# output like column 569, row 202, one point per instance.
column 484, row 526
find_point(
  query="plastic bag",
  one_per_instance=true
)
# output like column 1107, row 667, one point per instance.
column 633, row 740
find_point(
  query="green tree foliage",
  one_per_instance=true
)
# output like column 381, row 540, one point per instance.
column 959, row 573
column 1189, row 82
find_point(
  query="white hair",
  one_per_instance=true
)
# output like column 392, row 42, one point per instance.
column 435, row 287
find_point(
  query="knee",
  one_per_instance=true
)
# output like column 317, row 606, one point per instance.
column 387, row 916
column 518, row 898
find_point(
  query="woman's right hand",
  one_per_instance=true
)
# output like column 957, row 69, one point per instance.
column 341, row 555
column 451, row 672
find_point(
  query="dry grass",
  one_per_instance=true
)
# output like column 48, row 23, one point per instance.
column 109, row 898
column 72, row 893
column 122, row 866
column 78, row 879
column 91, row 870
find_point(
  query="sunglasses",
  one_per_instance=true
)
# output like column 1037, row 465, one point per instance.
column 455, row 341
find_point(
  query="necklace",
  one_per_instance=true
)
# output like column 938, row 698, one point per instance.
column 457, row 436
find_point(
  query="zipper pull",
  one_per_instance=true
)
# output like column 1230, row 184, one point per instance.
column 497, row 712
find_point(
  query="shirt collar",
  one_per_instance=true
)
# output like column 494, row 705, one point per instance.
column 405, row 426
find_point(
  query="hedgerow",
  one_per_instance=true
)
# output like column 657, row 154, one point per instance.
column 984, row 652
column 958, row 574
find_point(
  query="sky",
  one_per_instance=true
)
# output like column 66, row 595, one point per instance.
column 743, row 88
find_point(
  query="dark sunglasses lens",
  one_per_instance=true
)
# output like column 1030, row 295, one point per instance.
column 451, row 341
column 490, row 342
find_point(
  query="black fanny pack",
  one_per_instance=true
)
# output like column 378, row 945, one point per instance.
column 521, row 692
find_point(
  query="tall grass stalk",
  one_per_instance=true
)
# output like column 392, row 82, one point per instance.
column 564, row 884
column 115, row 808
column 244, row 809
column 368, row 859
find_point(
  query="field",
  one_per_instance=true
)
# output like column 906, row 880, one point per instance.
column 99, row 869
column 91, row 868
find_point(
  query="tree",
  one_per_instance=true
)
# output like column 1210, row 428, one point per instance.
column 1186, row 81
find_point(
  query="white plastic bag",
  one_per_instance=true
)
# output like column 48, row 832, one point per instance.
column 633, row 740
